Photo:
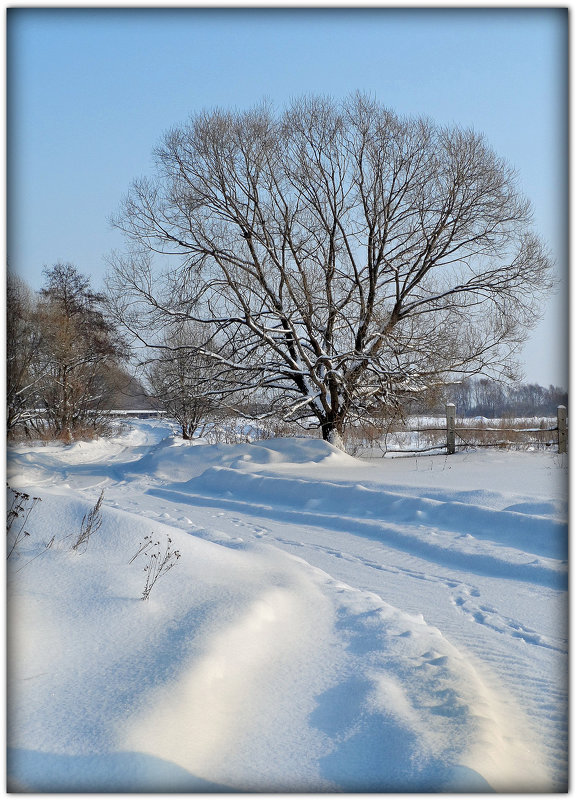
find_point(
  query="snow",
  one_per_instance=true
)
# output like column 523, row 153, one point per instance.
column 333, row 624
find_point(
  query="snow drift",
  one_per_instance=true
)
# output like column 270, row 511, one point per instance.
column 332, row 624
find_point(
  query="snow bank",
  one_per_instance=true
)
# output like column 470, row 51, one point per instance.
column 194, row 456
column 224, row 677
column 292, row 647
column 494, row 542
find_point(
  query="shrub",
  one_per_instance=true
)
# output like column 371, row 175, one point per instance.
column 20, row 506
column 159, row 561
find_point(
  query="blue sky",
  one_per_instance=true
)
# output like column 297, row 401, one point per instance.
column 91, row 92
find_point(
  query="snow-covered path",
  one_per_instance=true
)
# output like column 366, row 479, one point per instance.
column 332, row 624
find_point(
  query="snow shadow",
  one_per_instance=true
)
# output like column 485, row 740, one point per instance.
column 119, row 772
column 377, row 753
column 374, row 753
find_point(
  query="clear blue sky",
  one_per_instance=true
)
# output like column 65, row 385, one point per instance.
column 91, row 92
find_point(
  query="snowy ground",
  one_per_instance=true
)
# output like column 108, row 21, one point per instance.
column 332, row 624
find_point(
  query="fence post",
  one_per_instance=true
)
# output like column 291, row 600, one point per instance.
column 450, row 412
column 562, row 428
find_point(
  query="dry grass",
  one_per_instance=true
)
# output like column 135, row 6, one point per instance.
column 507, row 433
column 428, row 434
column 46, row 435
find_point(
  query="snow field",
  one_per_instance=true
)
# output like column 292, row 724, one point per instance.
column 317, row 634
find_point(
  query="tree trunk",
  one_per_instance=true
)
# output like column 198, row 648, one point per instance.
column 188, row 429
column 332, row 432
column 65, row 416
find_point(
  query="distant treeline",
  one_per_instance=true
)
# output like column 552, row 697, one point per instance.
column 483, row 397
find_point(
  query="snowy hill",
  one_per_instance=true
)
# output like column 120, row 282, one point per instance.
column 331, row 624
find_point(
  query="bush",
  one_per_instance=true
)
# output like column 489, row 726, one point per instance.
column 20, row 506
column 159, row 561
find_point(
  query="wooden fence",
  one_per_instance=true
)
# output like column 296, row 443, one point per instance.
column 457, row 435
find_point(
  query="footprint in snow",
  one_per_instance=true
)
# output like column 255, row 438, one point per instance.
column 486, row 615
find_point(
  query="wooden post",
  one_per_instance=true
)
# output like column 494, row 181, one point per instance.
column 450, row 411
column 562, row 428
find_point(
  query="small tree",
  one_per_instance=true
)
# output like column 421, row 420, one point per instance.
column 77, row 345
column 186, row 381
column 346, row 255
column 23, row 341
column 178, row 377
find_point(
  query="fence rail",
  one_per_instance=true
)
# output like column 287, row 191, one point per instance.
column 454, row 432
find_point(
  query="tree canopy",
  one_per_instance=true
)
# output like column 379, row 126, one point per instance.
column 339, row 256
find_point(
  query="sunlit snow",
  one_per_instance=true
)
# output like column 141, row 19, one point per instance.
column 333, row 624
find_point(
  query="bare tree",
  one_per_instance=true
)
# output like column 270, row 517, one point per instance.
column 77, row 345
column 183, row 381
column 23, row 339
column 343, row 255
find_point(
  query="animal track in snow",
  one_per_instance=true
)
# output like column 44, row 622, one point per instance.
column 486, row 615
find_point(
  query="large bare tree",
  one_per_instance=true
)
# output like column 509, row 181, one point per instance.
column 342, row 254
